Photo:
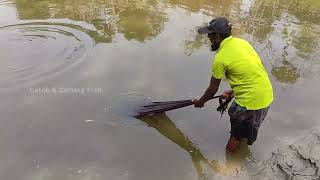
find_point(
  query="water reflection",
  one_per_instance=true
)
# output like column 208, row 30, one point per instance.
column 286, row 73
column 145, row 20
column 290, row 24
column 75, row 10
column 140, row 23
column 195, row 42
column 259, row 21
column 272, row 23
column 228, row 8
column 305, row 41
column 136, row 20
column 205, row 168
column 307, row 10
column 62, row 46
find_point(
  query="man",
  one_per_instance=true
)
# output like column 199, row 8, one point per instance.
column 239, row 63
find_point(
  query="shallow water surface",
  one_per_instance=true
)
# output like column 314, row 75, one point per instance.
column 73, row 71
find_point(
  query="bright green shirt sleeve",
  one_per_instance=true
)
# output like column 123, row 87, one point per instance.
column 218, row 69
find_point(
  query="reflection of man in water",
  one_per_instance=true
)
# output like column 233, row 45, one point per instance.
column 238, row 62
column 167, row 128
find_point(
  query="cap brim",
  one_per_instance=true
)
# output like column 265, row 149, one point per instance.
column 204, row 30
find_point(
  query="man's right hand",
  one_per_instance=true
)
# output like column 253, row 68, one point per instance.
column 198, row 103
column 227, row 94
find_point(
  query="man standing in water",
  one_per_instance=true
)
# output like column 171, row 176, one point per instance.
column 239, row 63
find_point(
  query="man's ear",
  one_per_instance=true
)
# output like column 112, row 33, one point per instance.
column 218, row 36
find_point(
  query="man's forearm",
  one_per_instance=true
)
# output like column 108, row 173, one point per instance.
column 209, row 93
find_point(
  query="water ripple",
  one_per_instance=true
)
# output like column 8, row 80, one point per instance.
column 36, row 51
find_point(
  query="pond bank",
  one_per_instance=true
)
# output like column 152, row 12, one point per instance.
column 299, row 159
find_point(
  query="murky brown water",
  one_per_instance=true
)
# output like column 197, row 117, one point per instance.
column 71, row 71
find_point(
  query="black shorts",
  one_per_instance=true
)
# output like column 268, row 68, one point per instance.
column 245, row 123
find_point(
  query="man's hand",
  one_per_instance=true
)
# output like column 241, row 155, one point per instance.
column 227, row 94
column 198, row 103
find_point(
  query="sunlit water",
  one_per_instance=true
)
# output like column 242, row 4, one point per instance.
column 73, row 72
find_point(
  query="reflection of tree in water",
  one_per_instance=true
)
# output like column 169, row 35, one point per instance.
column 167, row 128
column 305, row 41
column 76, row 10
column 227, row 8
column 306, row 10
column 209, row 7
column 259, row 22
column 144, row 20
column 140, row 23
column 286, row 73
column 32, row 10
column 303, row 37
column 195, row 43
column 262, row 15
column 140, row 20
column 262, row 22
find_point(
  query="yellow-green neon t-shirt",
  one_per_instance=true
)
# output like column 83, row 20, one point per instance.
column 238, row 61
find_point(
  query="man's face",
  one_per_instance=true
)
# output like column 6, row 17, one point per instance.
column 215, row 41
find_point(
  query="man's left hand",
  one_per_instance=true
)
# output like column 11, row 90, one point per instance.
column 227, row 94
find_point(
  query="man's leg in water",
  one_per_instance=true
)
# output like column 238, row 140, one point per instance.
column 244, row 124
column 232, row 145
column 236, row 118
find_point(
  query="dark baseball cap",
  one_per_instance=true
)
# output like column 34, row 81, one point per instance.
column 219, row 25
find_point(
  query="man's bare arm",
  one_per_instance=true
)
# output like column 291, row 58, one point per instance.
column 209, row 93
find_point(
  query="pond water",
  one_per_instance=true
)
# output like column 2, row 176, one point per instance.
column 72, row 71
